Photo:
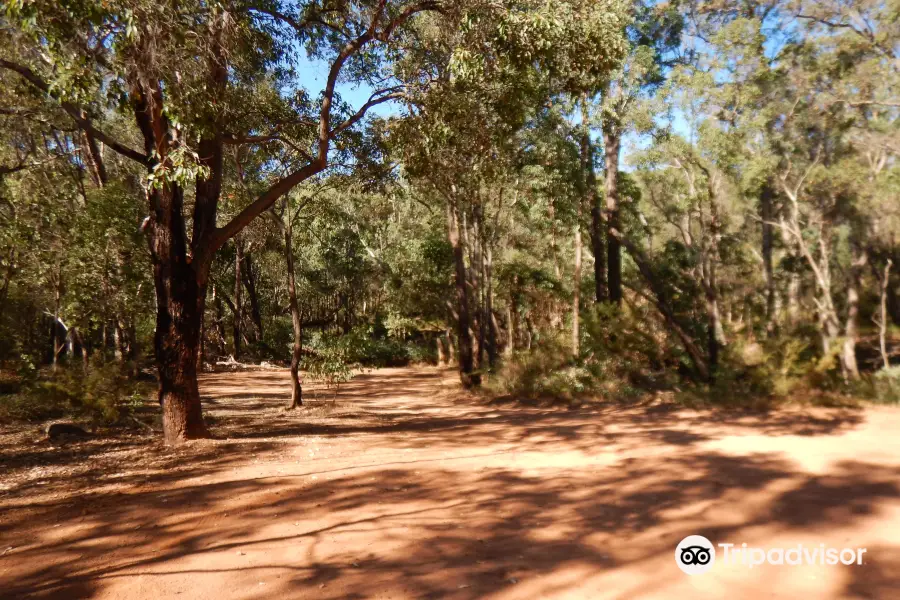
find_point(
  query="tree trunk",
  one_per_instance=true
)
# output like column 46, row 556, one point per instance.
column 201, row 351
column 576, row 284
column 478, row 265
column 236, row 323
column 464, row 334
column 554, row 250
column 489, row 307
column 848, row 351
column 180, row 299
column 57, row 295
column 612, row 144
column 529, row 332
column 7, row 278
column 882, row 323
column 250, row 283
column 766, row 198
column 793, row 299
column 512, row 317
column 714, row 332
column 439, row 347
column 451, row 348
column 592, row 199
column 95, row 161
column 118, row 342
column 82, row 346
column 297, row 348
column 221, row 344
column 893, row 303
column 893, row 300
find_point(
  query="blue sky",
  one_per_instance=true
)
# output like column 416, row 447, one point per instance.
column 313, row 74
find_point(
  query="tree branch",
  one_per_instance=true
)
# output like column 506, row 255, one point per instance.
column 77, row 114
column 319, row 162
column 374, row 100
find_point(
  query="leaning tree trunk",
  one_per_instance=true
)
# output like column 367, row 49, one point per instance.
column 297, row 349
column 464, row 333
column 663, row 304
column 512, row 323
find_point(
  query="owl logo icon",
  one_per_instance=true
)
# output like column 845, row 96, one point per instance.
column 695, row 555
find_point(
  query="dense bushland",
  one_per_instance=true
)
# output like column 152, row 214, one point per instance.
column 565, row 200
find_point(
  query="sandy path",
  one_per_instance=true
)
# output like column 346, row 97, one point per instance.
column 405, row 489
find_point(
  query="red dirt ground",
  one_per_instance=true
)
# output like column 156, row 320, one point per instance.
column 408, row 489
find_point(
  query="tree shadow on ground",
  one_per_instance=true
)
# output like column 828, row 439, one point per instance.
column 465, row 503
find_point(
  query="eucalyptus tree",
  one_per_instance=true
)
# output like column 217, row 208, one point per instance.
column 865, row 37
column 654, row 37
column 486, row 81
column 735, row 48
column 191, row 76
column 447, row 148
column 839, row 103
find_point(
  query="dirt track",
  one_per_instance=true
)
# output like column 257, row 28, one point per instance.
column 406, row 489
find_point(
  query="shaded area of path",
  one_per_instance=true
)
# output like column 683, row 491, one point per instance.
column 405, row 488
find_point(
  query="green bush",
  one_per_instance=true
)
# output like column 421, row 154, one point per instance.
column 361, row 347
column 422, row 352
column 547, row 372
column 623, row 354
column 772, row 369
column 104, row 393
column 886, row 385
column 330, row 367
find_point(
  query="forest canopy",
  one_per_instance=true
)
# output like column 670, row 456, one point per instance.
column 562, row 198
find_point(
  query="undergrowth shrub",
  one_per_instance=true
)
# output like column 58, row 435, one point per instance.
column 422, row 352
column 886, row 385
column 625, row 355
column 363, row 347
column 621, row 357
column 751, row 370
column 545, row 372
column 104, row 393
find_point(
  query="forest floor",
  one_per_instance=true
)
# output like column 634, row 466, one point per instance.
column 407, row 488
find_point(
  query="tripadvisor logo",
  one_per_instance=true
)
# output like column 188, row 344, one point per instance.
column 695, row 555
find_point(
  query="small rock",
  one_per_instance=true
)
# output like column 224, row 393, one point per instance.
column 57, row 430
